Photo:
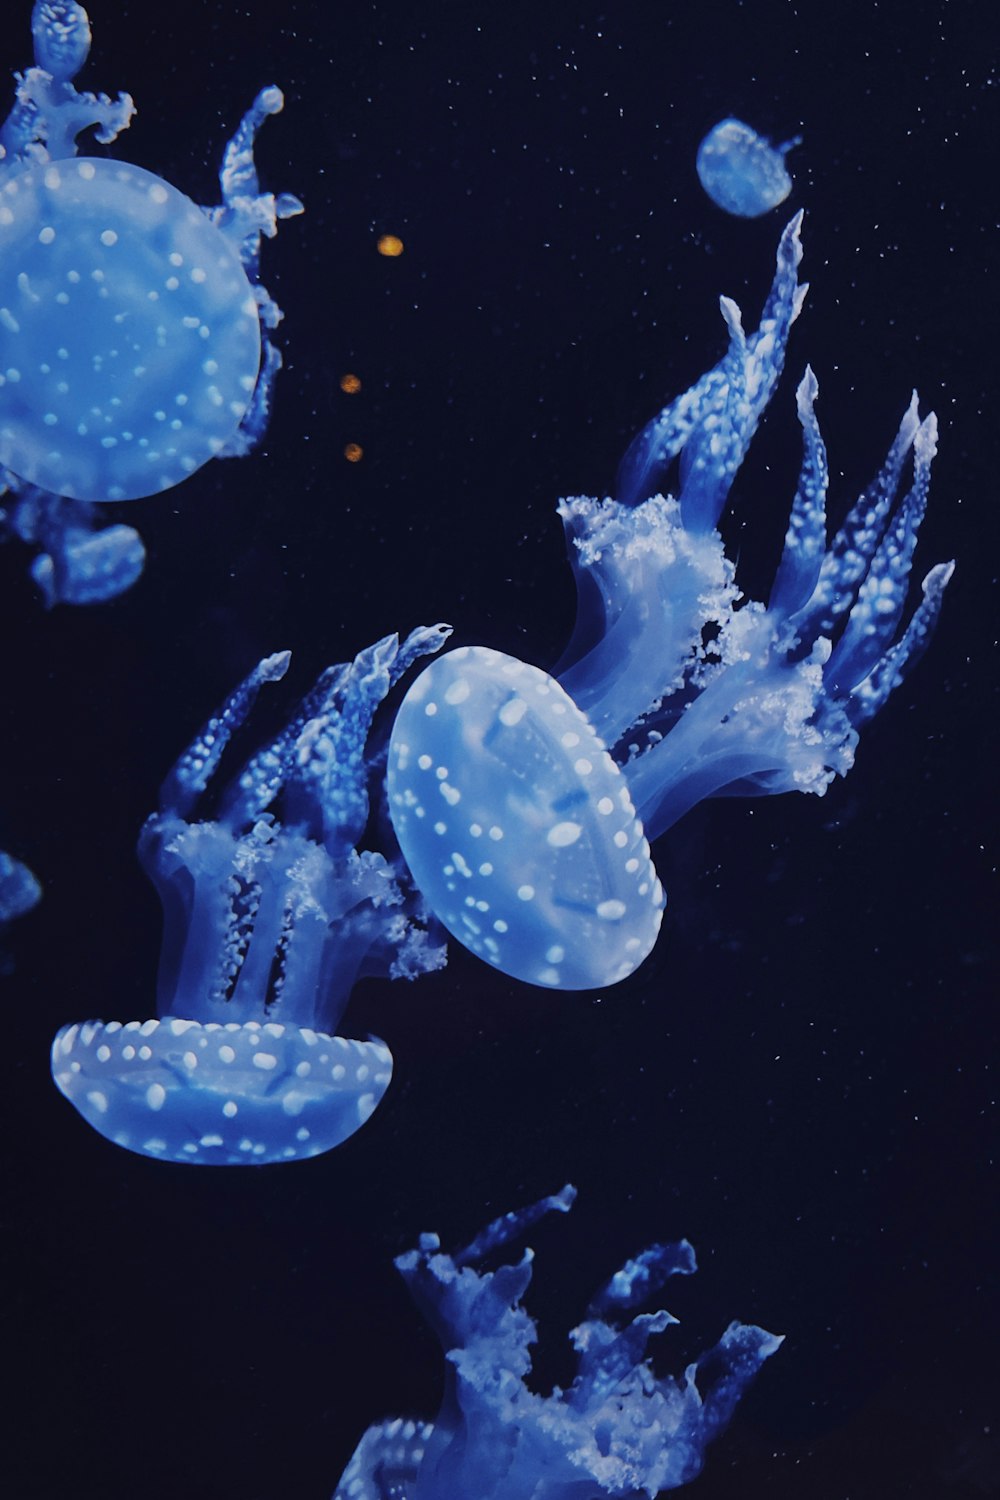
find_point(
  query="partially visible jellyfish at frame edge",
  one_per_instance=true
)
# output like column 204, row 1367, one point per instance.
column 271, row 914
column 618, row 1430
column 524, row 802
column 741, row 171
column 20, row 892
column 134, row 331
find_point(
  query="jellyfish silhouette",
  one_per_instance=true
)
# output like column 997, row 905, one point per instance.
column 134, row 333
column 524, row 801
column 618, row 1430
column 741, row 171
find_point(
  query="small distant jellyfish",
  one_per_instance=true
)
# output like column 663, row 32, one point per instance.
column 271, row 914
column 741, row 171
column 134, row 331
column 619, row 1430
column 524, row 801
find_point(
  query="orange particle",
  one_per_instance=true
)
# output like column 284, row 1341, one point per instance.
column 350, row 383
column 390, row 244
column 354, row 453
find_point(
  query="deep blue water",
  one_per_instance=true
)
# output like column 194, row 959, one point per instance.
column 799, row 1079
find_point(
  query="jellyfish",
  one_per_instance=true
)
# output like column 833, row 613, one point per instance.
column 741, row 171
column 19, row 888
column 524, row 801
column 619, row 1429
column 271, row 913
column 20, row 891
column 134, row 331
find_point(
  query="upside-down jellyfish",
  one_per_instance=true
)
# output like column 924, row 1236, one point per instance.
column 741, row 171
column 134, row 331
column 619, row 1429
column 271, row 914
column 523, row 802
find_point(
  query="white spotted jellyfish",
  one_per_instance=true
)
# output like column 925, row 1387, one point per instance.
column 134, row 332
column 271, row 914
column 524, row 801
column 741, row 171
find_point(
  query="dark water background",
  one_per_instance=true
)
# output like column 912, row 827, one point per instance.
column 801, row 1078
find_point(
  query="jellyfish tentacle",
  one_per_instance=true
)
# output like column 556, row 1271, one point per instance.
column 244, row 214
column 881, row 595
column 194, row 768
column 869, row 695
column 805, row 539
column 711, row 425
column 49, row 112
column 847, row 558
column 513, row 1226
column 77, row 563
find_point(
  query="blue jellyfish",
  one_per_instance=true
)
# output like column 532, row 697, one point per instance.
column 741, row 171
column 134, row 332
column 19, row 889
column 19, row 893
column 271, row 913
column 524, row 801
column 619, row 1429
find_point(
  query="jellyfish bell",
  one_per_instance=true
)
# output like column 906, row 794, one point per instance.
column 517, row 825
column 221, row 1094
column 741, row 171
column 129, row 334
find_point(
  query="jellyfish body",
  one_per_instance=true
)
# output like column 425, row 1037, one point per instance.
column 518, row 826
column 741, row 171
column 271, row 913
column 618, row 1430
column 133, row 330
column 674, row 687
column 19, row 889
